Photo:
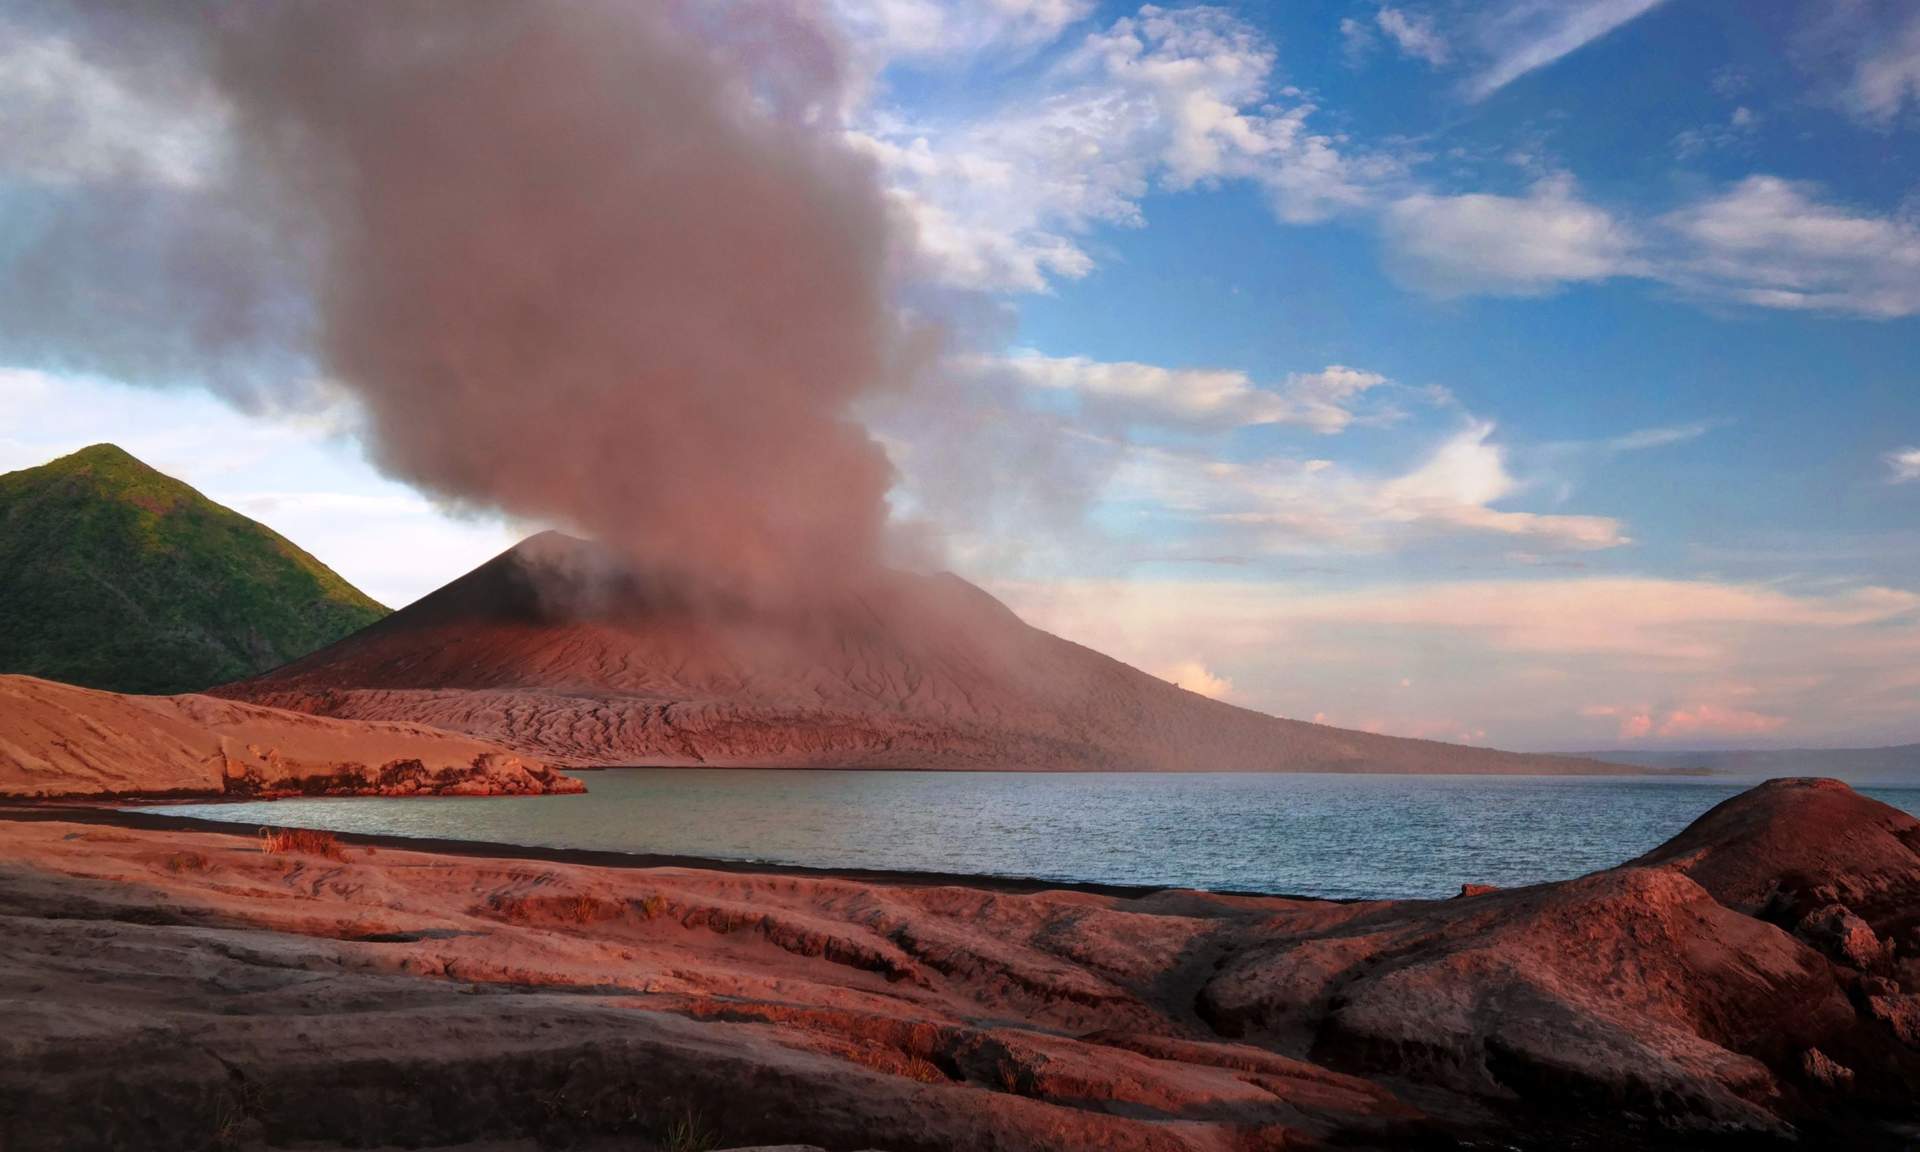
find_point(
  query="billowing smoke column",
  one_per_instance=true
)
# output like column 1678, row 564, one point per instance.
column 603, row 264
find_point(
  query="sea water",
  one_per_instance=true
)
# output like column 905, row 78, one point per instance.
column 1314, row 834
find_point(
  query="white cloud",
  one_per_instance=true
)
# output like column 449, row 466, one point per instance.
column 1507, row 245
column 1765, row 242
column 1663, row 436
column 1887, row 73
column 1774, row 243
column 1414, row 34
column 297, row 475
column 1905, row 464
column 1167, row 100
column 1202, row 397
column 1519, row 36
column 1173, row 100
column 1282, row 506
column 1195, row 677
column 1465, row 478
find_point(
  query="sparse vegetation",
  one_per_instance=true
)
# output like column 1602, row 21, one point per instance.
column 188, row 862
column 687, row 1132
column 234, row 1112
column 305, row 841
column 577, row 908
column 653, row 907
column 894, row 1062
column 588, row 909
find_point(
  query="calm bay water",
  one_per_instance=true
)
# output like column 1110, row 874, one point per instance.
column 1310, row 834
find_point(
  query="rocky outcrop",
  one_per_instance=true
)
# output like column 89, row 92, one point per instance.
column 558, row 651
column 58, row 740
column 175, row 990
column 1844, row 937
column 1792, row 846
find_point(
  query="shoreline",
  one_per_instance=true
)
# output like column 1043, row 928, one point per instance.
column 113, row 814
column 1624, row 771
column 130, row 810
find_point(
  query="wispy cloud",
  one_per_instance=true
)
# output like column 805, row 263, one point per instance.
column 1310, row 507
column 1717, row 721
column 1507, row 245
column 1560, row 662
column 1660, row 437
column 957, row 29
column 1520, row 36
column 1166, row 100
column 1172, row 100
column 1690, row 722
column 1905, row 464
column 1323, row 401
column 1776, row 244
column 1415, row 35
column 1886, row 70
column 1737, row 129
column 1763, row 241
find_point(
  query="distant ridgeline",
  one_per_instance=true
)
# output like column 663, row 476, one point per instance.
column 115, row 576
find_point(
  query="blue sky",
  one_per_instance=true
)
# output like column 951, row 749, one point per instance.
column 1539, row 372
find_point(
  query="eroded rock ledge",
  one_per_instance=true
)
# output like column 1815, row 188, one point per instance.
column 58, row 740
column 182, row 990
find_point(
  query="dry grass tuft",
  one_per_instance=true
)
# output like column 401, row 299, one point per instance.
column 188, row 862
column 274, row 841
column 882, row 1057
column 578, row 908
column 688, row 1132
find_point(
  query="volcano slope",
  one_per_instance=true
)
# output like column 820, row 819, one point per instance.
column 553, row 649
column 1754, row 983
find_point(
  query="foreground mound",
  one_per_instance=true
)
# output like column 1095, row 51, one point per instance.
column 58, row 740
column 412, row 1000
column 115, row 576
column 1790, row 847
column 555, row 649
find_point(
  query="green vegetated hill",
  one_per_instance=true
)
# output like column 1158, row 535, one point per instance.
column 115, row 576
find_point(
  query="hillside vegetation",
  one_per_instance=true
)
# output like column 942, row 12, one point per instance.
column 115, row 576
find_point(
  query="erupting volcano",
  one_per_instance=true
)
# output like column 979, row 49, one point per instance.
column 559, row 649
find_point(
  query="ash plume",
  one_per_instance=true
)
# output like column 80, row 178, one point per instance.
column 606, row 265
